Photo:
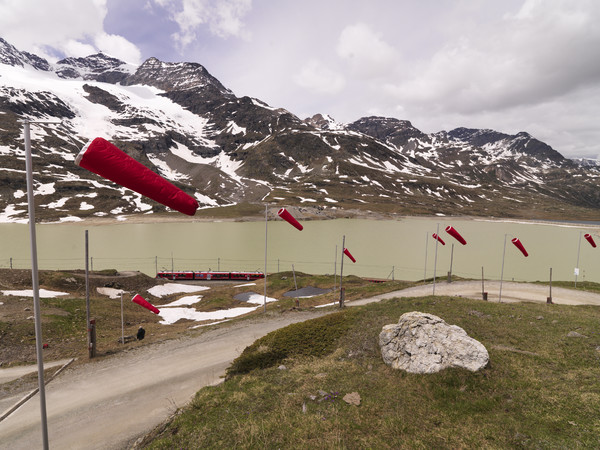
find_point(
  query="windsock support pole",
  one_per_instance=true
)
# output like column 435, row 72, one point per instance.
column 342, row 273
column 435, row 262
column 35, row 284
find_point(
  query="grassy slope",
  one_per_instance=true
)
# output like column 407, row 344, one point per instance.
column 539, row 391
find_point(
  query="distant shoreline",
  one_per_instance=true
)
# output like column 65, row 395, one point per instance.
column 160, row 218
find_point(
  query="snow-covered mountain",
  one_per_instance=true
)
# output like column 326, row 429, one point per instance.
column 181, row 122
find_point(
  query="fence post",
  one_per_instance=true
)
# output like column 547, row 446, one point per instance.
column 549, row 299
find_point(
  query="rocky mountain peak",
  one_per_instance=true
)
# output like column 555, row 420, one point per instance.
column 174, row 76
column 97, row 67
column 395, row 131
column 9, row 55
column 323, row 122
column 476, row 136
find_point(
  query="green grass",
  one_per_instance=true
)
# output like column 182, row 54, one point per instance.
column 540, row 390
column 315, row 338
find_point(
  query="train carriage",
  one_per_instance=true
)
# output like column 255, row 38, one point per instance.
column 210, row 275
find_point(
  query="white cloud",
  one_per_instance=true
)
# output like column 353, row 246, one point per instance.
column 77, row 49
column 224, row 18
column 70, row 27
column 366, row 51
column 118, row 46
column 316, row 77
column 515, row 65
column 542, row 52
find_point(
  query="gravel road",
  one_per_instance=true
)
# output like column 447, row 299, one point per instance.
column 109, row 403
column 511, row 292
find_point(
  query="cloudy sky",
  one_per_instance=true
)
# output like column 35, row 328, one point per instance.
column 510, row 65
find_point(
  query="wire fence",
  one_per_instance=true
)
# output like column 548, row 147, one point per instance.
column 151, row 265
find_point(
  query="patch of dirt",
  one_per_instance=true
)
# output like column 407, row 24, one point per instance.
column 308, row 291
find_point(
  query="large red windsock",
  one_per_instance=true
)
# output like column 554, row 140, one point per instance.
column 590, row 239
column 349, row 255
column 285, row 215
column 439, row 239
column 518, row 244
column 456, row 235
column 104, row 159
column 137, row 298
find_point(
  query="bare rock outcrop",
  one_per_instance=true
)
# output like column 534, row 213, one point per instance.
column 424, row 343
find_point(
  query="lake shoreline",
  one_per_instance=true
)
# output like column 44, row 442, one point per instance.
column 160, row 218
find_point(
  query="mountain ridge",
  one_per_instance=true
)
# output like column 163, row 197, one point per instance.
column 180, row 121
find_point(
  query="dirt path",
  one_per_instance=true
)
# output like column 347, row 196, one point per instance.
column 109, row 403
column 511, row 292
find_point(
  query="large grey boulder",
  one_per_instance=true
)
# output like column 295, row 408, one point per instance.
column 424, row 343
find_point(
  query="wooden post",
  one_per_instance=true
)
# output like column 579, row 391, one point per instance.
column 295, row 286
column 92, row 334
column 122, row 322
column 484, row 294
column 549, row 299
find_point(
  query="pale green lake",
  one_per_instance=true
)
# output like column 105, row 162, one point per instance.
column 382, row 248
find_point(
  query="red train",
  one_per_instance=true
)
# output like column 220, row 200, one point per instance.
column 206, row 276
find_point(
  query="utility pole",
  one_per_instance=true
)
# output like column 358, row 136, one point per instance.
column 35, row 284
column 335, row 270
column 266, row 235
column 342, row 273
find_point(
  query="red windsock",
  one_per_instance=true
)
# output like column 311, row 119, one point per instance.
column 285, row 215
column 518, row 244
column 349, row 255
column 456, row 235
column 590, row 239
column 435, row 236
column 137, row 298
column 104, row 159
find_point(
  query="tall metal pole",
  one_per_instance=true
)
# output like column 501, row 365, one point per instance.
column 87, row 295
column 451, row 260
column 502, row 271
column 426, row 241
column 578, row 251
column 342, row 273
column 435, row 262
column 266, row 221
column 335, row 270
column 295, row 285
column 35, row 283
